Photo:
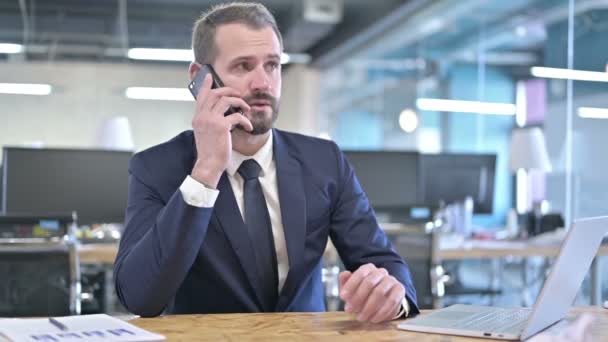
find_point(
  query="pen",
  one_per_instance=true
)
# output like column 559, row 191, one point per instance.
column 58, row 324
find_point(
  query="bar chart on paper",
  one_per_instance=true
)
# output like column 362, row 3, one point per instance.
column 94, row 328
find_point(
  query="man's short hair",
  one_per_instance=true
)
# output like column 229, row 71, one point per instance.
column 253, row 15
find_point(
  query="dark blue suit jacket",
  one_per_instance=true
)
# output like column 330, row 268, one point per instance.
column 185, row 259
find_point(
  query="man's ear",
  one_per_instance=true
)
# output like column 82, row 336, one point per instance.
column 193, row 69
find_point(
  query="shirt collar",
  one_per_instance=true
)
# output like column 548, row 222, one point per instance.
column 263, row 156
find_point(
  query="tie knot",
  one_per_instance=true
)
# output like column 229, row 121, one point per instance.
column 249, row 169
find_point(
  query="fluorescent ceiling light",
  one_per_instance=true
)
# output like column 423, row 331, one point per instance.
column 167, row 94
column 441, row 105
column 295, row 58
column 593, row 113
column 569, row 74
column 178, row 55
column 285, row 58
column 186, row 55
column 10, row 48
column 25, row 89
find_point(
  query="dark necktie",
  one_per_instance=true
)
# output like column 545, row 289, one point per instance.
column 258, row 225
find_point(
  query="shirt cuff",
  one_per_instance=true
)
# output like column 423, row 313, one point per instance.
column 404, row 311
column 197, row 194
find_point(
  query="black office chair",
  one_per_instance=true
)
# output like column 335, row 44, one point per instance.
column 418, row 247
column 38, row 276
column 458, row 291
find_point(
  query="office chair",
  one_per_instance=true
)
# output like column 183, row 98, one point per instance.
column 456, row 288
column 418, row 247
column 38, row 279
column 332, row 266
column 38, row 276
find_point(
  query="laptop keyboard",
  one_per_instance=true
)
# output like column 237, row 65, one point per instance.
column 512, row 320
column 470, row 318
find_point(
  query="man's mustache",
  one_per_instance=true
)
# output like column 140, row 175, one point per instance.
column 261, row 97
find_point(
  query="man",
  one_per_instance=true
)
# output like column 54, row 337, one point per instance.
column 234, row 216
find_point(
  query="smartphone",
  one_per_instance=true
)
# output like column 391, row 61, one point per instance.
column 197, row 83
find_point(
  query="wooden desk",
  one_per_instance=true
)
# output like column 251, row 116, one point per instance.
column 105, row 253
column 525, row 249
column 330, row 326
column 501, row 249
column 98, row 253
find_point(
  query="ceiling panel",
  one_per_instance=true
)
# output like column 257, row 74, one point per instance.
column 93, row 27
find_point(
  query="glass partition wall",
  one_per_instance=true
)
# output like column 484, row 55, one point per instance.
column 464, row 76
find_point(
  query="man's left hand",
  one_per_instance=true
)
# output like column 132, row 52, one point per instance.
column 371, row 293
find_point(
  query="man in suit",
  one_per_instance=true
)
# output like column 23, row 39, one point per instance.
column 234, row 216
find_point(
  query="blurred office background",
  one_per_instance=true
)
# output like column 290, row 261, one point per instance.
column 522, row 82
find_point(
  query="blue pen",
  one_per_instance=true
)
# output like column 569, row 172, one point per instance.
column 58, row 324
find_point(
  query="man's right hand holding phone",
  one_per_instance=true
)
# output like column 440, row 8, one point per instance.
column 212, row 130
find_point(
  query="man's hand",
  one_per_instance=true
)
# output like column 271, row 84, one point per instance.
column 212, row 130
column 371, row 293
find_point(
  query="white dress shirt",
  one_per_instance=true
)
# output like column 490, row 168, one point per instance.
column 198, row 195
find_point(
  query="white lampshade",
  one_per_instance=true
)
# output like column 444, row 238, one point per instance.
column 529, row 150
column 115, row 134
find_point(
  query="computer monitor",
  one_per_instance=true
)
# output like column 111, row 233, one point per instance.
column 453, row 177
column 43, row 181
column 390, row 180
column 1, row 190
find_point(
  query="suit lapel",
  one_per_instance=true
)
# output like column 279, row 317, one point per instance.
column 293, row 213
column 228, row 214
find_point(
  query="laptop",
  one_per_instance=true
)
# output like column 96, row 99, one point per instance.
column 557, row 295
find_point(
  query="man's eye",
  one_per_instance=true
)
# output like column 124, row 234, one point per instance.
column 273, row 65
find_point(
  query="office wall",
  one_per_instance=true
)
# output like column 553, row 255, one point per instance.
column 84, row 94
column 300, row 100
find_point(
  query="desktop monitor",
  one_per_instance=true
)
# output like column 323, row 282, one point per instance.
column 390, row 180
column 1, row 190
column 44, row 181
column 453, row 177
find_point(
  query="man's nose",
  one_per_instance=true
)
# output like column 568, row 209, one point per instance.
column 260, row 80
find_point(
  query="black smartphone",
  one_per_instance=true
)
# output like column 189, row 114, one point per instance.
column 197, row 83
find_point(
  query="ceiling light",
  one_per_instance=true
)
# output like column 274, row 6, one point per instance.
column 408, row 121
column 521, row 31
column 177, row 55
column 10, row 48
column 432, row 26
column 285, row 58
column 295, row 58
column 186, row 55
column 166, row 94
column 25, row 89
column 477, row 107
column 593, row 113
column 569, row 74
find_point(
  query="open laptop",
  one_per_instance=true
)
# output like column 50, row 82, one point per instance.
column 559, row 291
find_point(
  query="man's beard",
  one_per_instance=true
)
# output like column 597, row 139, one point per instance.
column 260, row 120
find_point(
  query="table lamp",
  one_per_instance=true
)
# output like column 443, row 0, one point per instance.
column 115, row 134
column 528, row 153
column 529, row 150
